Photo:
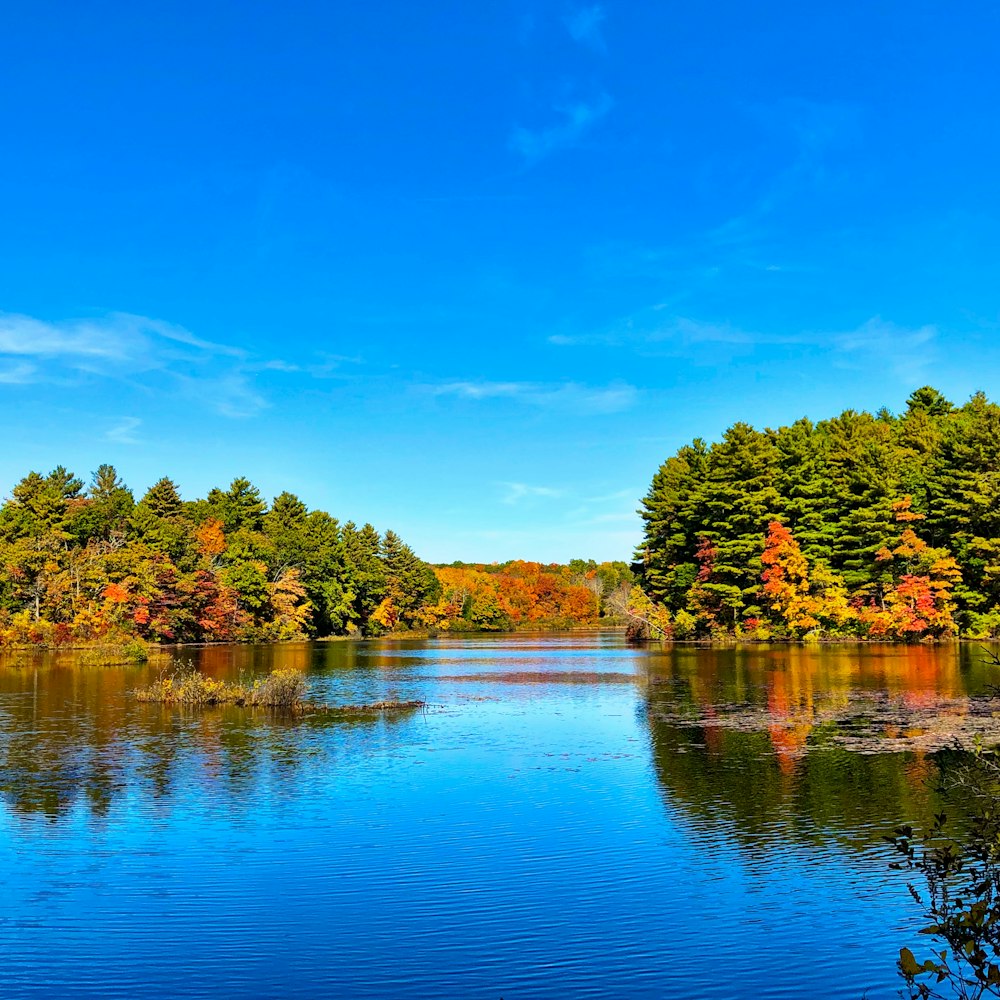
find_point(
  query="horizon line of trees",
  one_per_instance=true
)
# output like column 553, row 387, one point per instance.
column 517, row 594
column 82, row 564
column 871, row 526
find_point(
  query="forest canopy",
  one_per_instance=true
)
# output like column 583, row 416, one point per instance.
column 864, row 525
column 82, row 564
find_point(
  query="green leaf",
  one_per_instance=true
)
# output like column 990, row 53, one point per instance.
column 907, row 963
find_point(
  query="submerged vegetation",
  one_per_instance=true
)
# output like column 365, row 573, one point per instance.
column 866, row 526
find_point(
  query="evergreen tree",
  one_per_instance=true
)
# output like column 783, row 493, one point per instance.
column 239, row 507
column 841, row 488
column 326, row 575
column 162, row 499
column 410, row 582
column 673, row 511
column 741, row 500
column 158, row 522
column 366, row 572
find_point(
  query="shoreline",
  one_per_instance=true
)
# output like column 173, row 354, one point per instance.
column 156, row 649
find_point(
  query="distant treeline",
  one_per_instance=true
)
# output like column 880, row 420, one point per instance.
column 865, row 525
column 84, row 564
column 517, row 595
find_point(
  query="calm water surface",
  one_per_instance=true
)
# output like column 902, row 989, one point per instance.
column 568, row 817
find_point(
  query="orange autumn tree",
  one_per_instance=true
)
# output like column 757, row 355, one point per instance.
column 786, row 580
column 210, row 539
column 917, row 586
column 289, row 607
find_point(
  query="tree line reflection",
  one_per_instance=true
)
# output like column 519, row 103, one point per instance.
column 72, row 737
column 751, row 741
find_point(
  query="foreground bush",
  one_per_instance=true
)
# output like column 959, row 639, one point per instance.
column 956, row 881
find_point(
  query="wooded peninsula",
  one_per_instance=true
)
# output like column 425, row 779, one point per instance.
column 85, row 565
column 865, row 526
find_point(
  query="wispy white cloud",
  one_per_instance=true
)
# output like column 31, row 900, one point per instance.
column 650, row 328
column 576, row 120
column 584, row 26
column 136, row 349
column 572, row 396
column 902, row 352
column 118, row 338
column 17, row 373
column 479, row 390
column 516, row 492
column 334, row 366
column 611, row 508
column 880, row 336
column 231, row 393
column 25, row 336
column 124, row 431
column 906, row 354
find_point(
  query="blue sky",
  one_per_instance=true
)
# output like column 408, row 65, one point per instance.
column 472, row 271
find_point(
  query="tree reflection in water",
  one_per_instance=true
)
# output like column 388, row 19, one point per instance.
column 797, row 745
column 72, row 736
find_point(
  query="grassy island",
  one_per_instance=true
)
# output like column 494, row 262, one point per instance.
column 283, row 689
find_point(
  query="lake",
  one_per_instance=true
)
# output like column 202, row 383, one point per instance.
column 568, row 816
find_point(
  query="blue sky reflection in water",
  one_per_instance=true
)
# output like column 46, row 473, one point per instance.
column 471, row 271
column 523, row 837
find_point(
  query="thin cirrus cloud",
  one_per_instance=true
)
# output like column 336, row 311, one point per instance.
column 903, row 352
column 129, row 348
column 907, row 354
column 516, row 492
column 17, row 373
column 124, row 431
column 584, row 26
column 577, row 120
column 569, row 396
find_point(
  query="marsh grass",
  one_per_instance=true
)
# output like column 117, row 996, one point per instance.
column 111, row 654
column 282, row 689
